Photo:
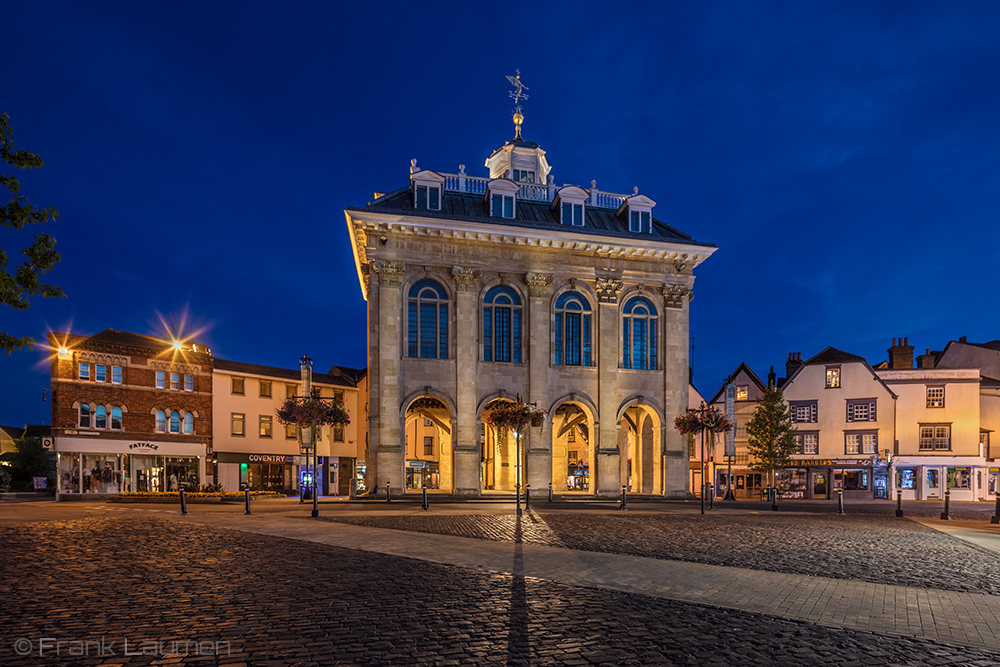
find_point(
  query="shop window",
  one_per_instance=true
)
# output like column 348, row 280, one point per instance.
column 502, row 325
column 161, row 421
column 85, row 416
column 265, row 389
column 855, row 480
column 572, row 330
column 832, row 377
column 905, row 478
column 188, row 382
column 188, row 423
column 238, row 420
column 265, row 426
column 427, row 320
column 960, row 478
column 84, row 370
column 161, row 380
column 100, row 373
column 101, row 417
column 639, row 334
column 935, row 397
column 116, row 375
column 175, row 422
column 237, row 385
column 116, row 419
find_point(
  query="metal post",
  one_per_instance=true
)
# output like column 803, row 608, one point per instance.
column 550, row 495
column 711, row 496
column 184, row 505
column 702, row 469
column 774, row 499
column 425, row 497
column 517, row 470
column 624, row 503
column 996, row 511
column 246, row 496
column 354, row 489
column 388, row 492
column 840, row 501
column 527, row 496
column 729, row 480
column 899, row 501
column 315, row 512
column 946, row 515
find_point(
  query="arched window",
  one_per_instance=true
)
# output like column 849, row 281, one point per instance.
column 101, row 417
column 116, row 419
column 161, row 422
column 175, row 422
column 639, row 334
column 84, row 416
column 428, row 320
column 572, row 330
column 502, row 325
column 188, row 423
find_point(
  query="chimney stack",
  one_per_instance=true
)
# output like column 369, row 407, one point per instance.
column 926, row 360
column 793, row 363
column 772, row 379
column 901, row 354
column 962, row 339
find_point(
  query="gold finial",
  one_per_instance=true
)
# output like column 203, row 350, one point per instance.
column 518, row 119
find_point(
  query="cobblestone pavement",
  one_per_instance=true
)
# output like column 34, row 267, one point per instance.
column 284, row 602
column 877, row 549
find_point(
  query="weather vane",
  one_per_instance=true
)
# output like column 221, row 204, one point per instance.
column 518, row 93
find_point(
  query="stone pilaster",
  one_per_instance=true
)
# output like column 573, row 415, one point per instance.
column 389, row 453
column 607, row 453
column 676, row 377
column 466, row 441
column 539, row 444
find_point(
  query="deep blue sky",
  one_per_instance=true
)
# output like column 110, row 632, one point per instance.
column 843, row 156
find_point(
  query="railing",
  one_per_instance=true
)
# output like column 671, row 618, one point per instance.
column 529, row 191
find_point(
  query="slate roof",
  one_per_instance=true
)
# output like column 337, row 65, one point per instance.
column 732, row 376
column 832, row 355
column 141, row 341
column 530, row 214
column 285, row 373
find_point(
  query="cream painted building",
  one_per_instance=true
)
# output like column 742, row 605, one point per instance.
column 485, row 288
column 254, row 450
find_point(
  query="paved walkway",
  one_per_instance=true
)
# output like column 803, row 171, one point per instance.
column 951, row 617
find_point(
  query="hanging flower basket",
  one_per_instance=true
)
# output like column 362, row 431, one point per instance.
column 696, row 421
column 309, row 412
column 514, row 416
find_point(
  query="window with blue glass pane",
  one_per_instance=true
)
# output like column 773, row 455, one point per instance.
column 639, row 340
column 502, row 325
column 427, row 320
column 572, row 330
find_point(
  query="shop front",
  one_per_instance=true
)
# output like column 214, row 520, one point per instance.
column 420, row 473
column 96, row 467
column 812, row 479
column 927, row 478
column 278, row 473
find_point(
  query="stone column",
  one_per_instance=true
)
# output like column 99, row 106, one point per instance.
column 676, row 378
column 388, row 442
column 538, row 445
column 465, row 442
column 608, row 455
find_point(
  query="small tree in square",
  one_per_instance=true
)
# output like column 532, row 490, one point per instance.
column 771, row 434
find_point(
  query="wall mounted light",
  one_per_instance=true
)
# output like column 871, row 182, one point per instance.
column 383, row 239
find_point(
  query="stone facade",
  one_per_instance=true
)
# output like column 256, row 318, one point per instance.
column 607, row 425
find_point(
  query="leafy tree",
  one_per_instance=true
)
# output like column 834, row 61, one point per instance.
column 29, row 460
column 771, row 434
column 25, row 281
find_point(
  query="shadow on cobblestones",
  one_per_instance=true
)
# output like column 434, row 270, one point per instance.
column 284, row 602
column 882, row 550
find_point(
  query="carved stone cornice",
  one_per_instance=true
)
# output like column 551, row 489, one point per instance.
column 466, row 279
column 390, row 272
column 607, row 290
column 538, row 284
column 673, row 295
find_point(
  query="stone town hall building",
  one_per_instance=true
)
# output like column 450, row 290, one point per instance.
column 482, row 289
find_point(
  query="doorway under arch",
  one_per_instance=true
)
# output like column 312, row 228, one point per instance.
column 428, row 458
column 639, row 442
column 573, row 460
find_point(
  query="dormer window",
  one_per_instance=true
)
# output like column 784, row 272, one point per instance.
column 428, row 198
column 524, row 176
column 639, row 222
column 502, row 206
column 572, row 214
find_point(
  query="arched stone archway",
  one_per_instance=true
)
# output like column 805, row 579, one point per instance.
column 639, row 440
column 573, row 452
column 428, row 455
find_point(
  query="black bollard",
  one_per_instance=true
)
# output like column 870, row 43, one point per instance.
column 550, row 495
column 996, row 512
column 774, row 499
column 425, row 497
column 184, row 504
column 946, row 515
column 315, row 510
column 527, row 496
column 388, row 493
column 840, row 501
column 899, row 502
column 624, row 505
column 711, row 496
column 246, row 497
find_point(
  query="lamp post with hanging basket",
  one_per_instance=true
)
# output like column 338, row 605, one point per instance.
column 702, row 420
column 515, row 416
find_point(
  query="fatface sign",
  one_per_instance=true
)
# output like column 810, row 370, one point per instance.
column 143, row 447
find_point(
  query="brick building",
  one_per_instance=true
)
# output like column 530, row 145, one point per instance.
column 129, row 413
